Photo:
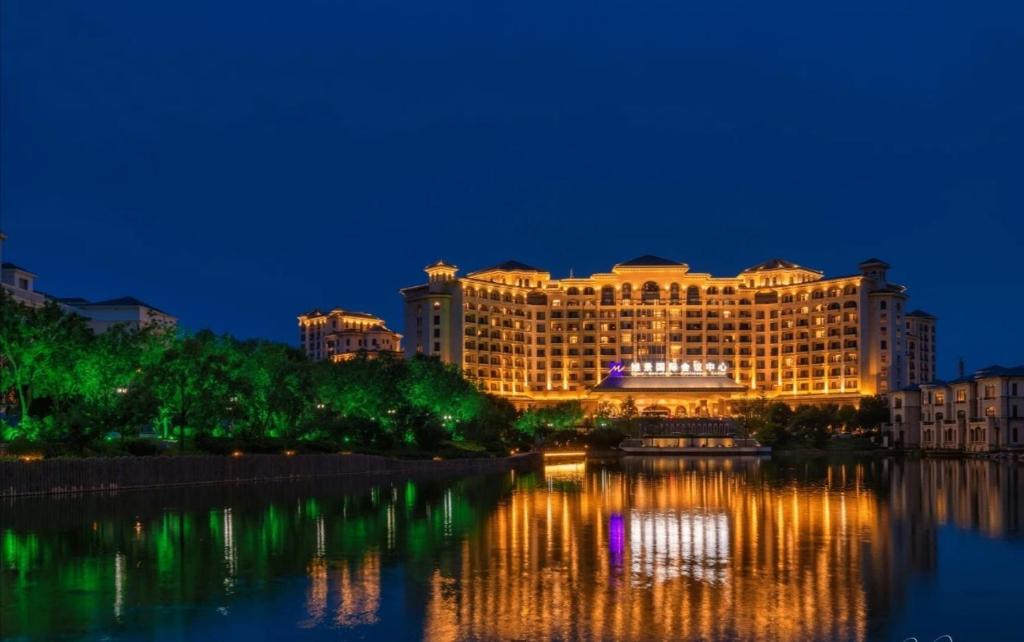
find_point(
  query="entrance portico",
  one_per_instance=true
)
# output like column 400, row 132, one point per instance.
column 705, row 395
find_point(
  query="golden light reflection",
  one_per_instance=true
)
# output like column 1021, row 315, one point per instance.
column 354, row 590
column 564, row 472
column 675, row 549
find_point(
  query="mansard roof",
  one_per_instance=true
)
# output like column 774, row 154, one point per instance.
column 872, row 261
column 649, row 260
column 920, row 313
column 774, row 264
column 981, row 373
column 316, row 312
column 510, row 266
column 11, row 266
column 124, row 301
column 1000, row 371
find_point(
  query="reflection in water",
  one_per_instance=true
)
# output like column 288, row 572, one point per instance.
column 667, row 549
column 667, row 545
column 643, row 548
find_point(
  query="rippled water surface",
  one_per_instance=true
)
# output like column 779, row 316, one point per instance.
column 640, row 548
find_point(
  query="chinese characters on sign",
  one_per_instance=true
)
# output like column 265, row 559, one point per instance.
column 662, row 368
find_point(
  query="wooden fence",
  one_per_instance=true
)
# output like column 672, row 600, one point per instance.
column 118, row 473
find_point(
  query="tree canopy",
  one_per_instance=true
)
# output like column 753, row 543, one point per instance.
column 64, row 383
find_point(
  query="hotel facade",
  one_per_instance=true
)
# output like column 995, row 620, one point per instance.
column 679, row 342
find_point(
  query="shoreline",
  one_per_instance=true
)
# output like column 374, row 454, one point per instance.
column 104, row 474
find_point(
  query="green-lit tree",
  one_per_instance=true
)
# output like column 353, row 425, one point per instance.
column 272, row 390
column 108, row 371
column 191, row 384
column 38, row 347
column 441, row 390
column 565, row 415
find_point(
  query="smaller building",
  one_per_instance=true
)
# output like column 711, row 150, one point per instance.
column 339, row 335
column 981, row 412
column 100, row 315
column 19, row 282
column 125, row 311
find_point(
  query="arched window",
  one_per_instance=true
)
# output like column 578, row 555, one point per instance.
column 728, row 290
column 850, row 289
column 627, row 291
column 673, row 293
column 712, row 290
column 589, row 291
column 607, row 295
column 693, row 295
column 850, row 304
column 834, row 306
column 573, row 291
column 650, row 292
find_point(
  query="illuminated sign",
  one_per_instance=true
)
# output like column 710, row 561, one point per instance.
column 668, row 368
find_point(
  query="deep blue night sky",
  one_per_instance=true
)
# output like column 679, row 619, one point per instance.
column 236, row 163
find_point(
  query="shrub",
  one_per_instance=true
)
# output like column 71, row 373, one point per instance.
column 142, row 447
column 605, row 437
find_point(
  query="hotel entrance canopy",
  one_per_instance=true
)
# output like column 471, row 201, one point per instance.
column 668, row 385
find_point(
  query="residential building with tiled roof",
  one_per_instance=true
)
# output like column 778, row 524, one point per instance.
column 979, row 412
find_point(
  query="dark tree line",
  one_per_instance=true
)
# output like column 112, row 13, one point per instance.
column 774, row 423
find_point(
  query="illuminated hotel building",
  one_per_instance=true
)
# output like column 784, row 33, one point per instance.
column 776, row 328
column 339, row 335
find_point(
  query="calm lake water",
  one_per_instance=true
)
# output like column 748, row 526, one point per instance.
column 642, row 548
